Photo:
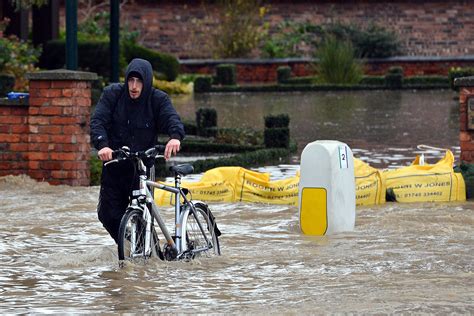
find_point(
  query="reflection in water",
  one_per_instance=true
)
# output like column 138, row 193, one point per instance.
column 402, row 258
column 382, row 127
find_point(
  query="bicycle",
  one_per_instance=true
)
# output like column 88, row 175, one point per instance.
column 196, row 232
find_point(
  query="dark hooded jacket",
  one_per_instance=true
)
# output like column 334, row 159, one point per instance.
column 119, row 120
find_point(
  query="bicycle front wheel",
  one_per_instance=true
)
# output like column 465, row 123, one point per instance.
column 131, row 241
column 200, row 234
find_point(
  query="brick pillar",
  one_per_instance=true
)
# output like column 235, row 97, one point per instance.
column 466, row 101
column 58, row 119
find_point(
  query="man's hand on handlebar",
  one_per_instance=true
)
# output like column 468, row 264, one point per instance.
column 105, row 154
column 172, row 148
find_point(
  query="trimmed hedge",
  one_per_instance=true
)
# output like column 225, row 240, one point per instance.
column 90, row 56
column 426, row 80
column 210, row 147
column 277, row 137
column 276, row 121
column 203, row 84
column 226, row 74
column 301, row 80
column 165, row 64
column 394, row 78
column 190, row 128
column 283, row 74
column 277, row 132
column 206, row 121
column 373, row 80
column 246, row 160
column 459, row 73
column 467, row 171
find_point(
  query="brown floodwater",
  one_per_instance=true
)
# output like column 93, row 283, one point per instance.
column 401, row 258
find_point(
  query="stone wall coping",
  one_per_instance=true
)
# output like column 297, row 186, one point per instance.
column 16, row 102
column 464, row 82
column 413, row 59
column 62, row 74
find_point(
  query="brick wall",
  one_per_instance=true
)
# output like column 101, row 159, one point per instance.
column 425, row 28
column 49, row 138
column 13, row 137
column 466, row 135
column 266, row 70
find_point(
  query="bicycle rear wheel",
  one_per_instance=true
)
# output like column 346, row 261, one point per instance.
column 131, row 241
column 200, row 233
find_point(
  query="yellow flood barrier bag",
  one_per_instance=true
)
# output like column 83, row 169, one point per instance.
column 216, row 191
column 237, row 184
column 253, row 186
column 427, row 183
column 369, row 184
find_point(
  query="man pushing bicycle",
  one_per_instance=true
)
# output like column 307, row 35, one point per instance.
column 130, row 114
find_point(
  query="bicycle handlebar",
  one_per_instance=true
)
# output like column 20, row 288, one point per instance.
column 124, row 153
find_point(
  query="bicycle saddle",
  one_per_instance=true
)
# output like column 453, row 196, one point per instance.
column 182, row 169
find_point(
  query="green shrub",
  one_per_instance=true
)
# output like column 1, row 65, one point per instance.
column 372, row 41
column 202, row 84
column 246, row 160
column 91, row 56
column 302, row 80
column 190, row 128
column 277, row 132
column 277, row 121
column 337, row 63
column 96, row 170
column 240, row 27
column 206, row 119
column 290, row 38
column 467, row 171
column 226, row 74
column 394, row 78
column 283, row 74
column 397, row 70
column 393, row 81
column 187, row 78
column 191, row 146
column 373, row 80
column 239, row 136
column 277, row 137
column 459, row 72
column 426, row 80
column 165, row 64
column 97, row 27
column 17, row 58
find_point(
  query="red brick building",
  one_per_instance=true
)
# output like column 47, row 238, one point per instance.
column 425, row 28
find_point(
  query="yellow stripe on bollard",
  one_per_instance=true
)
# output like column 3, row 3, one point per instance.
column 313, row 211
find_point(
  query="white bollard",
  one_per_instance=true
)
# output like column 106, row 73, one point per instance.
column 327, row 188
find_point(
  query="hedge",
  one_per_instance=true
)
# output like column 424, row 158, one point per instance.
column 459, row 73
column 283, row 74
column 92, row 56
column 226, row 74
column 165, row 64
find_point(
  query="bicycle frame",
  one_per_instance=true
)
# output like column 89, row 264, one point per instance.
column 142, row 199
column 145, row 184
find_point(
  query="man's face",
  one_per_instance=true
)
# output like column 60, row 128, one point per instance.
column 135, row 87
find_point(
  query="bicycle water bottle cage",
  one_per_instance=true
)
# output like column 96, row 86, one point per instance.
column 182, row 170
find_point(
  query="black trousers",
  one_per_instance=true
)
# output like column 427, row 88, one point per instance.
column 116, row 184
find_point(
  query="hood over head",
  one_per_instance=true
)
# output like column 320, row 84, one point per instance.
column 143, row 68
